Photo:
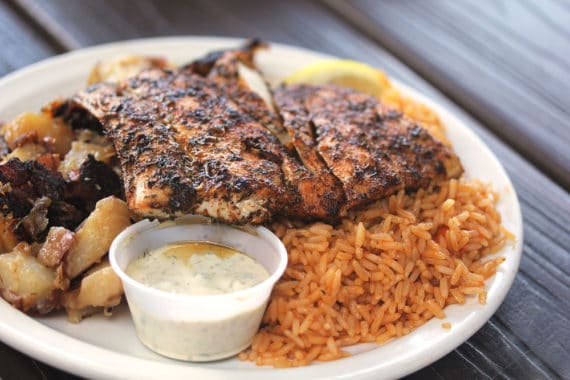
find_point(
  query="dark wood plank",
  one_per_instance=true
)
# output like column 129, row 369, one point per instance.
column 506, row 62
column 17, row 366
column 301, row 23
column 20, row 42
column 506, row 346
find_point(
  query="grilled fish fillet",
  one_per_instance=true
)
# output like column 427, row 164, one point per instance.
column 211, row 138
column 185, row 147
column 372, row 150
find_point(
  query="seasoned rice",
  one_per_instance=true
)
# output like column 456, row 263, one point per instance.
column 384, row 270
column 379, row 274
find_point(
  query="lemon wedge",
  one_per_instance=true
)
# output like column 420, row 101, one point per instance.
column 345, row 73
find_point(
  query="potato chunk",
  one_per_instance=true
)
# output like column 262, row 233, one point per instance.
column 58, row 241
column 113, row 70
column 88, row 142
column 27, row 284
column 26, row 152
column 8, row 239
column 100, row 288
column 95, row 235
column 40, row 126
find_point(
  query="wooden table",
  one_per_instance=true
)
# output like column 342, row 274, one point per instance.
column 502, row 66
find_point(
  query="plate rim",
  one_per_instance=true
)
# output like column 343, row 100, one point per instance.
column 86, row 358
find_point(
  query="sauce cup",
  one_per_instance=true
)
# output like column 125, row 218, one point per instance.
column 197, row 327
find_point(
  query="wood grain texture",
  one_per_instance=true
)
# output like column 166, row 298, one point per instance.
column 301, row 23
column 528, row 336
column 506, row 62
column 20, row 43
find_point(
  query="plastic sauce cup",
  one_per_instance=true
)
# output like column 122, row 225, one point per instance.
column 197, row 327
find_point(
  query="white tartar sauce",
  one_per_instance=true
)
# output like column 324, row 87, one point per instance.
column 204, row 269
column 197, row 268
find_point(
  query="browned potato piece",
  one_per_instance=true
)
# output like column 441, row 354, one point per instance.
column 27, row 284
column 122, row 67
column 8, row 239
column 58, row 241
column 88, row 142
column 100, row 288
column 93, row 238
column 26, row 152
column 40, row 125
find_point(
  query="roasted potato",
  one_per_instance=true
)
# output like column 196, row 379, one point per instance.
column 58, row 242
column 8, row 238
column 123, row 67
column 88, row 142
column 27, row 284
column 100, row 288
column 94, row 236
column 26, row 152
column 38, row 126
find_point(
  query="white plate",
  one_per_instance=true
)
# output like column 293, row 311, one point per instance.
column 99, row 347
